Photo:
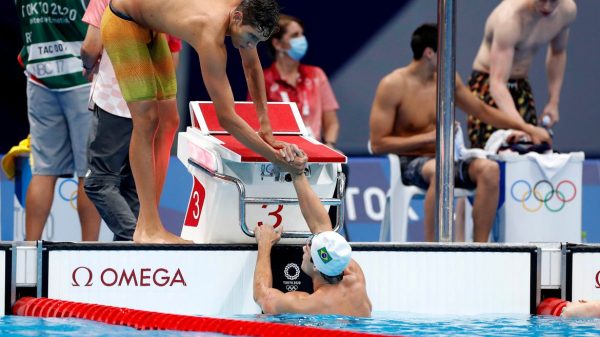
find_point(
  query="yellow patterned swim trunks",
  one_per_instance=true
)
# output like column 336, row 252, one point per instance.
column 140, row 57
column 522, row 95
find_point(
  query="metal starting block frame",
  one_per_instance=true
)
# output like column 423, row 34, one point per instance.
column 226, row 173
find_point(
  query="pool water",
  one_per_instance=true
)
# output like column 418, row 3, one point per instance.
column 429, row 325
column 382, row 323
column 30, row 326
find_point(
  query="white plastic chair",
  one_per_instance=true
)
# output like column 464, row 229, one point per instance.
column 397, row 203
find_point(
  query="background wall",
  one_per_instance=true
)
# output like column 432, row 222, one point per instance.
column 356, row 48
column 365, row 201
column 13, row 107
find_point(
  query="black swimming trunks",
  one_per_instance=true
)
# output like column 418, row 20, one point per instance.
column 412, row 167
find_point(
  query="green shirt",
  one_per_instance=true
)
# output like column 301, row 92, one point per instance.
column 52, row 33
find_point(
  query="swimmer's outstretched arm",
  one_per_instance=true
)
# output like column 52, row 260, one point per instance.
column 582, row 309
column 313, row 211
column 213, row 62
column 256, row 87
column 255, row 80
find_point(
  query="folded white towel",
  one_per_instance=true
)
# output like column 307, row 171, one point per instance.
column 461, row 151
column 550, row 164
column 459, row 142
column 497, row 140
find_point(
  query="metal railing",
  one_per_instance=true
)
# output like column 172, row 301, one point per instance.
column 446, row 72
column 243, row 201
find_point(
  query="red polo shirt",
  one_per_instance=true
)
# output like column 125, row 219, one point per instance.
column 312, row 94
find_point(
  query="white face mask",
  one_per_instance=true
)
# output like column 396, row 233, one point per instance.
column 298, row 47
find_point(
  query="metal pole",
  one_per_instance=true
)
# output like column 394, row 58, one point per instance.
column 445, row 120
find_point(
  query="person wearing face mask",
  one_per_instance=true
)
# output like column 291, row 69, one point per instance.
column 289, row 80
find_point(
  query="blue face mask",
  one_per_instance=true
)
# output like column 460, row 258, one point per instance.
column 298, row 47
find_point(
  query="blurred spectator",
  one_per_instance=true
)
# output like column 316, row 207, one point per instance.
column 57, row 96
column 288, row 80
column 403, row 121
column 513, row 33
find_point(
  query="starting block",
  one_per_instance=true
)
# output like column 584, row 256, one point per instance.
column 235, row 189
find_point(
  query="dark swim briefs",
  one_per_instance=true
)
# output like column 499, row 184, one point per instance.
column 412, row 168
column 520, row 90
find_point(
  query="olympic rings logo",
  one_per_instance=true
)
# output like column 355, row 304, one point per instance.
column 68, row 194
column 291, row 287
column 544, row 194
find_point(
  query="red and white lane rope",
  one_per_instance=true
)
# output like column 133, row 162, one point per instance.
column 147, row 320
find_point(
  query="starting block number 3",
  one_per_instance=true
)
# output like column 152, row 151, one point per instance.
column 192, row 216
column 276, row 214
column 197, row 197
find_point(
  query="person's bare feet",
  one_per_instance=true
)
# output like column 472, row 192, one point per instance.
column 159, row 236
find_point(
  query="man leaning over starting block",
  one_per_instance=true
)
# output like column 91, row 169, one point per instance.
column 338, row 281
column 132, row 35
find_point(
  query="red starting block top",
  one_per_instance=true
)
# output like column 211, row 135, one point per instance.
column 316, row 152
column 284, row 117
column 286, row 123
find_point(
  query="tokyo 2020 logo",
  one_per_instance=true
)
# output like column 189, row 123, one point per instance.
column 543, row 193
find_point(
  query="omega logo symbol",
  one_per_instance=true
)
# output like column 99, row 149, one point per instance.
column 88, row 283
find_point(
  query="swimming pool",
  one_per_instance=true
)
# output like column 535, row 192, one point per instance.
column 381, row 323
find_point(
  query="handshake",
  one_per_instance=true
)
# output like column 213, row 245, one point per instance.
column 291, row 159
